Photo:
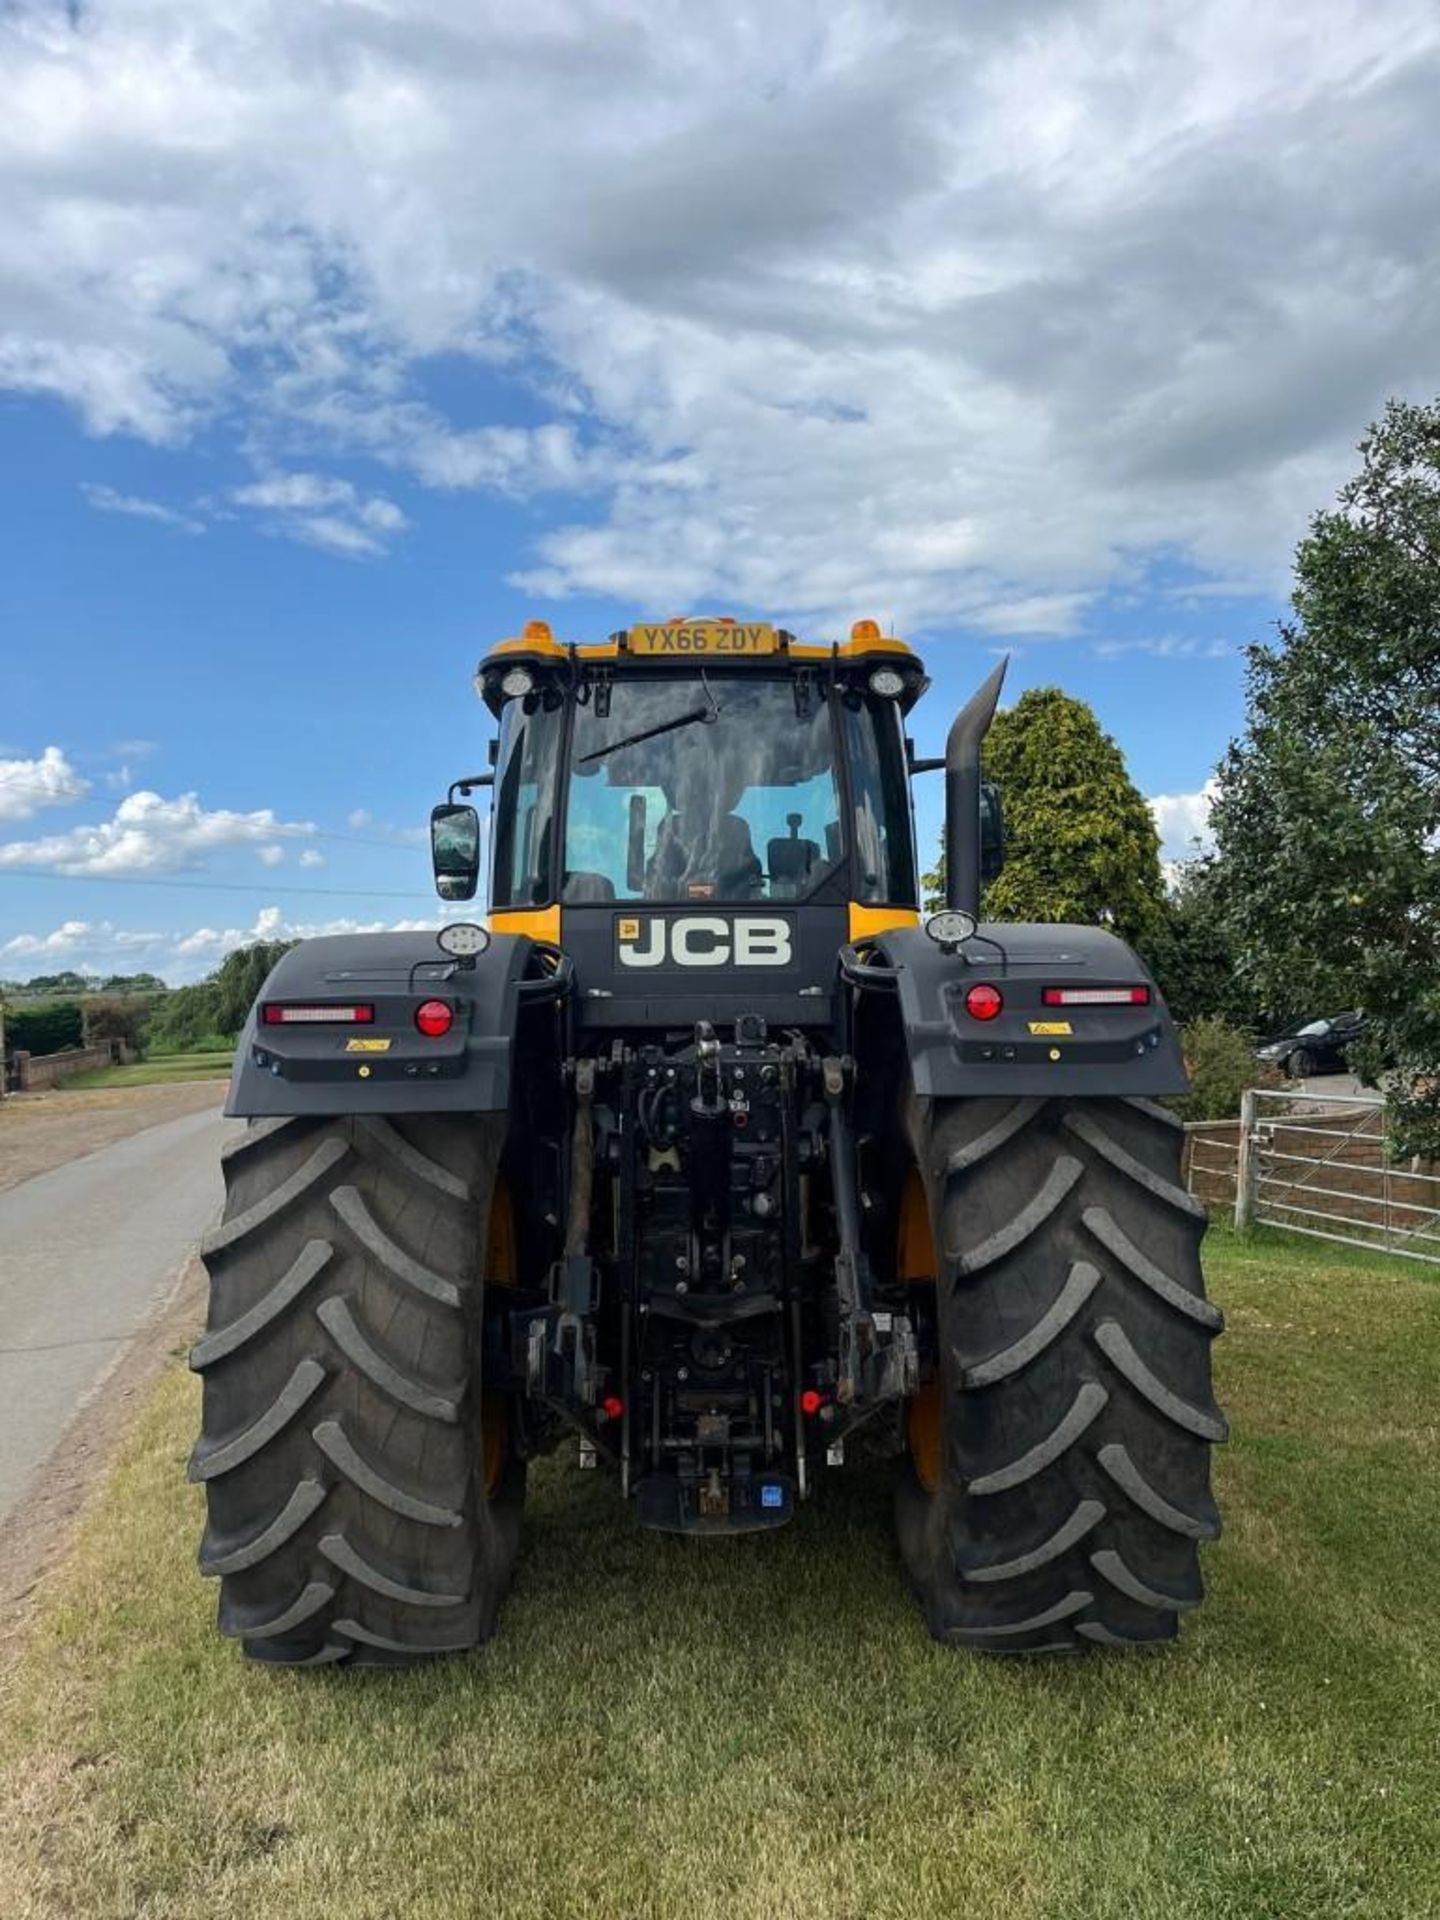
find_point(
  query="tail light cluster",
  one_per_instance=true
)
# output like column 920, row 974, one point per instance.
column 984, row 1002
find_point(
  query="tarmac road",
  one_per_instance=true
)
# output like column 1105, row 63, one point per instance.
column 88, row 1253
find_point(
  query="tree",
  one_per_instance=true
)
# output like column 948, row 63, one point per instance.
column 117, row 1018
column 59, row 983
column 239, row 978
column 44, row 1030
column 1195, row 957
column 182, row 1020
column 1221, row 1062
column 1080, row 842
column 214, row 1010
column 1328, row 816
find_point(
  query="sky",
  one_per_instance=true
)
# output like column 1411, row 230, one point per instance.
column 337, row 340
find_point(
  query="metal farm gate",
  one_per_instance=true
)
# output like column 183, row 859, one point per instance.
column 1316, row 1164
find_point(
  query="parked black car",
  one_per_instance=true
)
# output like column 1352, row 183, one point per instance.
column 1313, row 1046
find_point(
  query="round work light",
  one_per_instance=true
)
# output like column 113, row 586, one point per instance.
column 950, row 928
column 463, row 941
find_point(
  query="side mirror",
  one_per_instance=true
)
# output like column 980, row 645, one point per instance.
column 992, row 831
column 455, row 851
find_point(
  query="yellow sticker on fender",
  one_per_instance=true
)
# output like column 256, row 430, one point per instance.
column 367, row 1046
column 1049, row 1026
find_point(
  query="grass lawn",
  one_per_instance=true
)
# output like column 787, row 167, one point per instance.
column 164, row 1067
column 760, row 1727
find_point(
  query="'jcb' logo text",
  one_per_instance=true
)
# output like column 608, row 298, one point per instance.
column 703, row 940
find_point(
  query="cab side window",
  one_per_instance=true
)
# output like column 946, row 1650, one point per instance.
column 880, row 796
column 525, row 805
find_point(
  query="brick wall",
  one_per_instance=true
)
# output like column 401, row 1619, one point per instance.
column 30, row 1071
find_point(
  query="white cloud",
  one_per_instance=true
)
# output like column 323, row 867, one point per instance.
column 334, row 535
column 61, row 940
column 28, row 785
column 1183, row 821
column 100, row 941
column 955, row 314
column 1048, row 613
column 324, row 512
column 295, row 493
column 107, row 500
column 151, row 835
column 271, row 856
column 385, row 832
column 103, row 947
column 1166, row 646
column 312, row 857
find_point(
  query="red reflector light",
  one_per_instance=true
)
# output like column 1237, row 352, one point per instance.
column 272, row 1015
column 612, row 1406
column 1095, row 996
column 983, row 1002
column 810, row 1402
column 434, row 1018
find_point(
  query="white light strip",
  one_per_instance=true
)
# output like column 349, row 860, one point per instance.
column 296, row 1016
column 1095, row 996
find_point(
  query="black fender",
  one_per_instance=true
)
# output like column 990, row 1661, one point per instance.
column 1029, row 1048
column 385, row 1065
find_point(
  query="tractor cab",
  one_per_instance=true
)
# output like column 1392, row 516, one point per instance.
column 697, row 798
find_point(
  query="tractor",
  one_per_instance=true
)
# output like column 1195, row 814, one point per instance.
column 708, row 1158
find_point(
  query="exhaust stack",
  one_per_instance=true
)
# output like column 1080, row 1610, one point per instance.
column 962, row 794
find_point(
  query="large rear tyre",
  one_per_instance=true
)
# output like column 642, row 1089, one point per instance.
column 1059, row 1482
column 354, row 1510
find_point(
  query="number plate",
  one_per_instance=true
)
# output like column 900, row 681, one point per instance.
column 706, row 637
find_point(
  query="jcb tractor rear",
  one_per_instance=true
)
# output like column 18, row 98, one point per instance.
column 703, row 1155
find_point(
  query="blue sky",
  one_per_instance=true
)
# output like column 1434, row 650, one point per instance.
column 335, row 343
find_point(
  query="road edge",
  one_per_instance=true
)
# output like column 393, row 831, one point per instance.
column 41, row 1530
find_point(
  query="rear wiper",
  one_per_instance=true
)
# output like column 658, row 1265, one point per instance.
column 709, row 713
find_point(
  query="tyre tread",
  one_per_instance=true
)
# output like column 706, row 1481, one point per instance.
column 348, row 1518
column 435, row 1403
column 220, row 1343
column 211, row 1459
column 1021, row 1225
column 349, row 1204
column 1073, row 1341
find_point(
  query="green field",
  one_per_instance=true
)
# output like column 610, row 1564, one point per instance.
column 760, row 1727
column 156, row 1072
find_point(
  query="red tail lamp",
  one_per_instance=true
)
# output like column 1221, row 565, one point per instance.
column 983, row 1002
column 434, row 1018
column 612, row 1406
column 811, row 1402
